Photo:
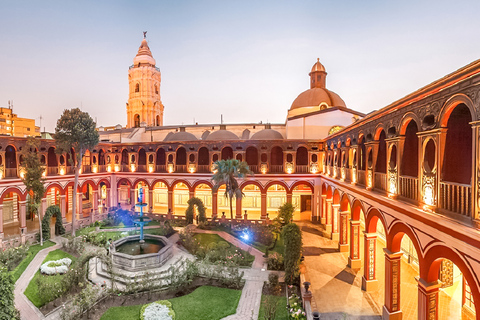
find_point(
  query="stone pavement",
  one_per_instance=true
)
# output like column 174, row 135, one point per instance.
column 27, row 310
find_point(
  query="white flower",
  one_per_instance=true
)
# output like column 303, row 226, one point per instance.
column 156, row 311
column 56, row 267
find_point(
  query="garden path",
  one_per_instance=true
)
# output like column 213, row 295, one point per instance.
column 249, row 304
column 27, row 310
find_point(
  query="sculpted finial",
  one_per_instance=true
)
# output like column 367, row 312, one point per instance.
column 144, row 34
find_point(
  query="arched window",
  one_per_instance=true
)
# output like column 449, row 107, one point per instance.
column 156, row 89
column 136, row 120
column 137, row 87
column 158, row 120
column 302, row 156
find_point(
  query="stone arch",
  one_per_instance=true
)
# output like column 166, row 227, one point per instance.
column 126, row 180
column 185, row 182
column 281, row 183
column 451, row 104
column 89, row 181
column 429, row 269
column 357, row 209
column 138, row 180
column 345, row 203
column 256, row 183
column 394, row 238
column 300, row 182
column 329, row 192
column 54, row 185
column 21, row 195
column 189, row 213
column 336, row 196
column 106, row 181
column 372, row 217
column 154, row 183
column 409, row 116
column 378, row 130
column 199, row 182
column 324, row 189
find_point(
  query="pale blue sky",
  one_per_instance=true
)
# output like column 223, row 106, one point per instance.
column 247, row 60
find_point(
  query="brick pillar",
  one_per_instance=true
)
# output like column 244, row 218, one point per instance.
column 150, row 200
column 354, row 260
column 391, row 309
column 328, row 221
column 63, row 207
column 343, row 239
column 79, row 204
column 23, row 219
column 369, row 279
column 263, row 207
column 428, row 299
column 289, row 197
column 171, row 206
column 335, row 222
column 238, row 208
column 214, row 204
column 324, row 209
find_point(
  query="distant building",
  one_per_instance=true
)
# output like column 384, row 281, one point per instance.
column 12, row 125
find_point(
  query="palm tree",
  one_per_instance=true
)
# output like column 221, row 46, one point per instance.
column 226, row 172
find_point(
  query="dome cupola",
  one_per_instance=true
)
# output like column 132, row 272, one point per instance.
column 318, row 75
column 144, row 55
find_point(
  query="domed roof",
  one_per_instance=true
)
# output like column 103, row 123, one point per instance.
column 318, row 66
column 222, row 135
column 180, row 136
column 267, row 134
column 315, row 97
column 144, row 54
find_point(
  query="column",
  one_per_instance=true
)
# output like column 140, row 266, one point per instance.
column 263, row 207
column 150, row 200
column 391, row 309
column 171, row 206
column 343, row 240
column 214, row 204
column 132, row 197
column 238, row 208
column 79, row 204
column 369, row 279
column 95, row 201
column 23, row 220
column 354, row 260
column 323, row 215
column 335, row 210
column 63, row 207
column 328, row 218
column 428, row 299
column 289, row 197
column 107, row 200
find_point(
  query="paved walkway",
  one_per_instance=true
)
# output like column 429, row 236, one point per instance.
column 249, row 304
column 27, row 310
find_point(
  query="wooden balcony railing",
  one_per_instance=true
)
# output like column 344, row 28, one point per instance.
column 142, row 168
column 302, row 169
column 102, row 168
column 86, row 168
column 455, row 197
column 253, row 168
column 408, row 187
column 51, row 171
column 161, row 168
column 348, row 174
column 203, row 168
column 10, row 172
column 380, row 181
column 181, row 168
column 276, row 168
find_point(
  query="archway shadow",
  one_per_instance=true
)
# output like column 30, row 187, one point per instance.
column 316, row 251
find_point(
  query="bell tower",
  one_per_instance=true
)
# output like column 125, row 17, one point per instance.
column 318, row 75
column 144, row 105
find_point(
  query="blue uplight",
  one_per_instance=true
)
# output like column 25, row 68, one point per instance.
column 245, row 236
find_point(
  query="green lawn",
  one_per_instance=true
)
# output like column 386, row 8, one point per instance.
column 205, row 303
column 206, row 238
column 32, row 290
column 32, row 252
column 282, row 313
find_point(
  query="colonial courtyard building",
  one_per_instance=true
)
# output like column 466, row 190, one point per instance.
column 399, row 186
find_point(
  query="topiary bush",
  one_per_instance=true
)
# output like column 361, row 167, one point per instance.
column 293, row 251
column 49, row 213
column 200, row 209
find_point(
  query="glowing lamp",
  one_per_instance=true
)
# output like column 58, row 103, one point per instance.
column 117, row 168
column 354, row 175
column 289, row 170
column 428, row 195
column 369, row 179
column 109, row 168
column 1, row 174
column 62, row 171
column 95, row 169
column 150, row 168
column 132, row 167
column 170, row 167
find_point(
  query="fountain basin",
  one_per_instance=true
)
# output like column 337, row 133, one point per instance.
column 157, row 250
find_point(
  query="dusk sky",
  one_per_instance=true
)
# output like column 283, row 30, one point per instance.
column 247, row 60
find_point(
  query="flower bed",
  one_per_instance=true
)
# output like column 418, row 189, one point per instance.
column 56, row 267
column 159, row 310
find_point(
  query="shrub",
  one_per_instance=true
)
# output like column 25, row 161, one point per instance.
column 200, row 209
column 7, row 300
column 270, row 304
column 11, row 257
column 275, row 261
column 285, row 214
column 75, row 246
column 293, row 251
column 82, row 302
column 49, row 213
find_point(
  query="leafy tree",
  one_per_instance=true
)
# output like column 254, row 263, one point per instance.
column 33, row 178
column 226, row 172
column 285, row 214
column 293, row 251
column 75, row 131
column 7, row 300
